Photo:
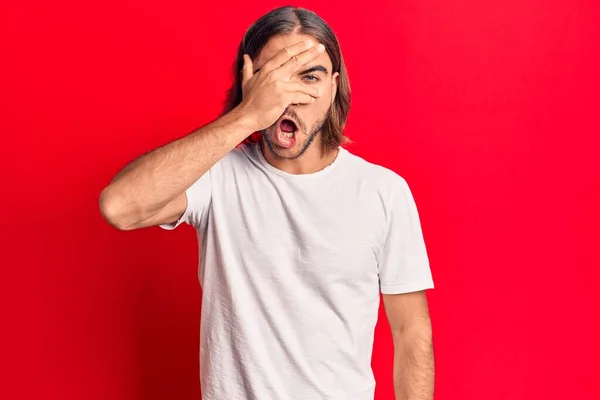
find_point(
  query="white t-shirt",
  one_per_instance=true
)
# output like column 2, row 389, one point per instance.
column 291, row 267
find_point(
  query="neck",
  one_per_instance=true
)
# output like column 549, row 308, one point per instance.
column 311, row 161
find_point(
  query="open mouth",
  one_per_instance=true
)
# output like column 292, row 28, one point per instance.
column 288, row 127
column 286, row 132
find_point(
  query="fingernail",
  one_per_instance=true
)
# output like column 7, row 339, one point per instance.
column 320, row 47
column 309, row 43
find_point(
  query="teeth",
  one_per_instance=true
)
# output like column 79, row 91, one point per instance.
column 288, row 135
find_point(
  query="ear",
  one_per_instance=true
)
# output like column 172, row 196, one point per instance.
column 335, row 80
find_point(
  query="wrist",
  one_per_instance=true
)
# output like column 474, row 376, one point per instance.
column 246, row 120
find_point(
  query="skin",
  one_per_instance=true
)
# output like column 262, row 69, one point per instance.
column 410, row 324
column 151, row 190
column 408, row 313
column 305, row 156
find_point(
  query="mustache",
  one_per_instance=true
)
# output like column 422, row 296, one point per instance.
column 291, row 113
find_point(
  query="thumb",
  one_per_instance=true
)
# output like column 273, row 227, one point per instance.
column 247, row 69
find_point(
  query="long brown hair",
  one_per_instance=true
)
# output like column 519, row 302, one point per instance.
column 285, row 20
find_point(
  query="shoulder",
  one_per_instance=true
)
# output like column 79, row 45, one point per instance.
column 236, row 159
column 377, row 177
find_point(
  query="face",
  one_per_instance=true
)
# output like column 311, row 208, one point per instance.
column 308, row 118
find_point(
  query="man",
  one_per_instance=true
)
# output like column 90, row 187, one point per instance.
column 297, row 235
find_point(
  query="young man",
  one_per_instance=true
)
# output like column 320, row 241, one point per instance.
column 297, row 235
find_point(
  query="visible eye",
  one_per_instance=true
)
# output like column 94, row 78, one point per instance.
column 314, row 78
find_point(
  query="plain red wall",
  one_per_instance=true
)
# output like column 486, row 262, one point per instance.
column 489, row 109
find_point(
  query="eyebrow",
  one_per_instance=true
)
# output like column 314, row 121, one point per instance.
column 309, row 70
column 315, row 68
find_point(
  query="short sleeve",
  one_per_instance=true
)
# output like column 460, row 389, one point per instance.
column 198, row 202
column 403, row 260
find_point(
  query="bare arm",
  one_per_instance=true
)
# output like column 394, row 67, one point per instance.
column 150, row 190
column 409, row 321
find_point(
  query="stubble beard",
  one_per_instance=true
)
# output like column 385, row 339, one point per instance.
column 311, row 137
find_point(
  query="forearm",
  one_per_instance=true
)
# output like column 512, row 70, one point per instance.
column 147, row 184
column 414, row 368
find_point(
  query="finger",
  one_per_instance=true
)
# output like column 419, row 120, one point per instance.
column 295, row 63
column 303, row 88
column 247, row 70
column 301, row 98
column 286, row 53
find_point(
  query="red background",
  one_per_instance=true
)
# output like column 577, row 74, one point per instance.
column 489, row 109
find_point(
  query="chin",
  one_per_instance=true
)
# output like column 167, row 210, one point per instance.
column 293, row 145
column 281, row 151
column 272, row 145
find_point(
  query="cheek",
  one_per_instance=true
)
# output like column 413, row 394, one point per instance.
column 320, row 105
column 313, row 113
column 325, row 98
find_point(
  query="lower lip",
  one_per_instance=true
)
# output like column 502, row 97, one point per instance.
column 284, row 141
